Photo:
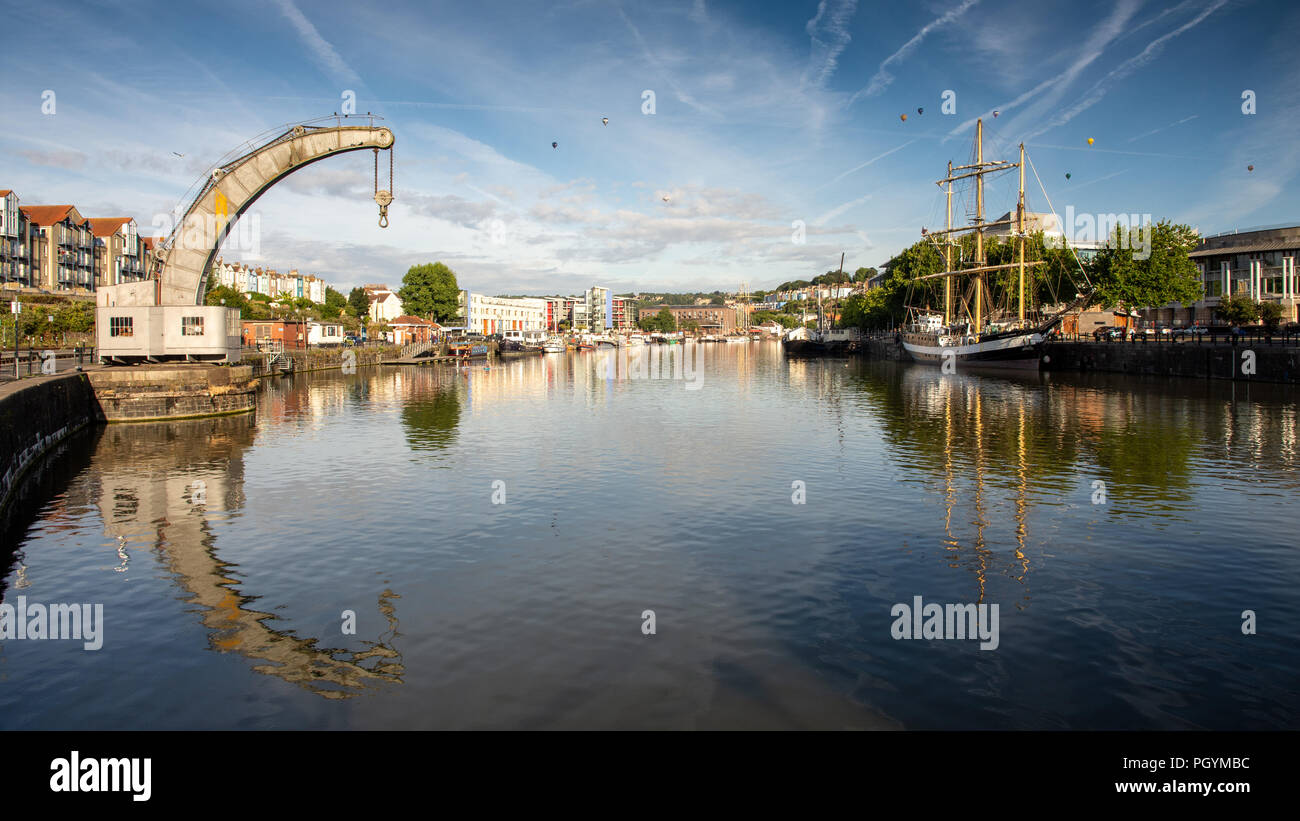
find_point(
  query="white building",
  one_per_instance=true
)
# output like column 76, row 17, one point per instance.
column 326, row 333
column 385, row 305
column 495, row 314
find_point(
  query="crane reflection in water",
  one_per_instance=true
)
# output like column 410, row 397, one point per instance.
column 143, row 498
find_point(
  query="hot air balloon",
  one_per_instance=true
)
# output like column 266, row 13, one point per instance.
column 995, row 114
column 920, row 111
column 902, row 117
column 665, row 198
column 555, row 145
column 604, row 121
column 1067, row 175
column 1250, row 168
column 1090, row 141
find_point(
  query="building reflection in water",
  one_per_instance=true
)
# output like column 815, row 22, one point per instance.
column 164, row 484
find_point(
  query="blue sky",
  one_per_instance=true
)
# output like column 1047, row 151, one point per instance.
column 765, row 114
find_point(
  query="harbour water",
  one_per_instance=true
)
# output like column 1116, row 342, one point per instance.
column 500, row 534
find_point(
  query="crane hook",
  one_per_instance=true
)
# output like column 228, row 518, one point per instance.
column 383, row 199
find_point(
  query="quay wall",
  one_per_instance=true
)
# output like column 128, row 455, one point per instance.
column 35, row 416
column 1275, row 362
column 1271, row 363
column 141, row 394
column 323, row 359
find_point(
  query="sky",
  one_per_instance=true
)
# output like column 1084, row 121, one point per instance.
column 774, row 145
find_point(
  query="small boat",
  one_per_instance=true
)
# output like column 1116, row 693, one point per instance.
column 553, row 345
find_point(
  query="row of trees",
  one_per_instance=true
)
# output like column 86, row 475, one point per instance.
column 1117, row 275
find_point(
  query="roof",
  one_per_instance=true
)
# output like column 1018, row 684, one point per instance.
column 1254, row 247
column 410, row 320
column 46, row 214
column 4, row 192
column 107, row 226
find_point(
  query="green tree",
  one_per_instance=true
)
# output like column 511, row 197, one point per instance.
column 231, row 298
column 1270, row 313
column 358, row 303
column 1238, row 310
column 79, row 317
column 1166, row 275
column 430, row 291
column 335, row 302
column 864, row 274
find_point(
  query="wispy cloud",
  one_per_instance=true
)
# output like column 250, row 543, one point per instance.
column 829, row 30
column 1132, row 64
column 321, row 49
column 1162, row 128
column 840, row 209
column 861, row 166
column 1047, row 93
column 882, row 78
column 659, row 67
column 1109, row 176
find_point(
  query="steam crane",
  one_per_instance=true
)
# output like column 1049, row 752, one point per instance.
column 164, row 318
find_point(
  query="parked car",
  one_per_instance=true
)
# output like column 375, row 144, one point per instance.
column 1108, row 334
column 1191, row 330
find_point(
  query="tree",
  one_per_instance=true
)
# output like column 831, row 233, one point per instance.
column 335, row 302
column 79, row 317
column 1166, row 275
column 1238, row 310
column 231, row 298
column 430, row 291
column 717, row 300
column 358, row 303
column 864, row 274
column 1270, row 313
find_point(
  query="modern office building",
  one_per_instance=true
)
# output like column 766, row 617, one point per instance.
column 1259, row 264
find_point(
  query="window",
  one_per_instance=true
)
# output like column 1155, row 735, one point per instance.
column 121, row 326
column 191, row 326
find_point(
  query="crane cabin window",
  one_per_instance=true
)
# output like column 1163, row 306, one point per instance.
column 191, row 326
column 121, row 326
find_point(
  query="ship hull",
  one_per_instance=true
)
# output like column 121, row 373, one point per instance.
column 1015, row 351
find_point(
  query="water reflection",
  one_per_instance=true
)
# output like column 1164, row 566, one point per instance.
column 163, row 487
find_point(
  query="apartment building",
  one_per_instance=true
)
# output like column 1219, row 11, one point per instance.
column 9, row 239
column 67, row 252
column 596, row 310
column 494, row 314
column 119, row 251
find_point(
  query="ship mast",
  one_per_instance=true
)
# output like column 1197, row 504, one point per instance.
column 1020, row 227
column 979, row 224
column 947, row 255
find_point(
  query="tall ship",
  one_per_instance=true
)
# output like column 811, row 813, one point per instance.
column 988, row 318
